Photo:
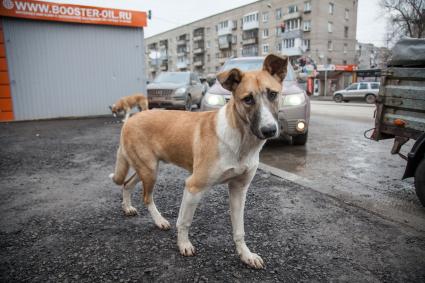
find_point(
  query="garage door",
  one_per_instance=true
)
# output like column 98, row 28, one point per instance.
column 65, row 70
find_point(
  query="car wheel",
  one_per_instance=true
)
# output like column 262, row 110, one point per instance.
column 188, row 103
column 370, row 98
column 420, row 181
column 300, row 139
column 338, row 98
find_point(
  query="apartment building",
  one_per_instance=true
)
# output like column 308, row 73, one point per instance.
column 324, row 30
column 369, row 56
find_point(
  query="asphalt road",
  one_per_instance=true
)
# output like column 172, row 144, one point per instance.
column 60, row 221
column 340, row 162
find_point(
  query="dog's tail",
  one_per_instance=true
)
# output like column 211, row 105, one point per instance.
column 121, row 168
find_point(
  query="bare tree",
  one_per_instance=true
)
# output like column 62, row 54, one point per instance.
column 407, row 17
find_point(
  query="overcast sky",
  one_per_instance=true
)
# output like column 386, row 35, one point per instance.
column 168, row 14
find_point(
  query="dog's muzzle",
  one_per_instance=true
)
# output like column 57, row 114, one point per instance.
column 269, row 131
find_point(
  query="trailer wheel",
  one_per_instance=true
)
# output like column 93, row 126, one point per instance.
column 420, row 181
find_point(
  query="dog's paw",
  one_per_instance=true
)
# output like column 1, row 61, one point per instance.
column 129, row 210
column 253, row 260
column 186, row 248
column 162, row 223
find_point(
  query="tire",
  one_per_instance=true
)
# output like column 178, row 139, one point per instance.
column 188, row 103
column 420, row 181
column 300, row 139
column 338, row 98
column 370, row 98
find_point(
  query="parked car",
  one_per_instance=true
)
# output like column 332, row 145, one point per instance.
column 175, row 90
column 367, row 91
column 294, row 106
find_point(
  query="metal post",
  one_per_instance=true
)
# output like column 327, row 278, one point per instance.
column 326, row 80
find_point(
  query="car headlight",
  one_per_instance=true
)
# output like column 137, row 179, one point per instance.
column 293, row 99
column 180, row 91
column 215, row 99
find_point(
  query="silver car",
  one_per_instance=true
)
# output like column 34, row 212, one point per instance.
column 176, row 90
column 294, row 106
column 367, row 91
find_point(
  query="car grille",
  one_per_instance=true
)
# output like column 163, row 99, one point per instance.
column 163, row 93
column 292, row 124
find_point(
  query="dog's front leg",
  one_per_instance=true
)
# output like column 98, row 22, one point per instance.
column 127, row 115
column 187, row 211
column 237, row 192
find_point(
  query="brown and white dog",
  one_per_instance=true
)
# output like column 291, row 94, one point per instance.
column 126, row 103
column 216, row 147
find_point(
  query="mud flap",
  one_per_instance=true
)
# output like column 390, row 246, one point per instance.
column 415, row 156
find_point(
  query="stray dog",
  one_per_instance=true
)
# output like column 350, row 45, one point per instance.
column 216, row 147
column 126, row 103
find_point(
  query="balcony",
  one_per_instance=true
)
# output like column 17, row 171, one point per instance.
column 198, row 63
column 198, row 37
column 294, row 15
column 164, row 67
column 251, row 25
column 181, row 52
column 249, row 41
column 181, row 42
column 198, row 50
column 225, row 30
column 292, row 34
column 293, row 51
column 182, row 65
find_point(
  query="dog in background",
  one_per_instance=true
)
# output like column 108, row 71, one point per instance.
column 126, row 103
column 216, row 147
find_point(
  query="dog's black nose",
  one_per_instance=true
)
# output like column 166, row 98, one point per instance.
column 269, row 131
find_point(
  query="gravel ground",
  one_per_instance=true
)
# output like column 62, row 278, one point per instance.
column 61, row 221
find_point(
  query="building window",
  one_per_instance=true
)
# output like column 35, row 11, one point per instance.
column 306, row 44
column 265, row 33
column 331, row 8
column 265, row 48
column 234, row 24
column 293, row 24
column 265, row 17
column 279, row 47
column 345, row 47
column 347, row 14
column 307, row 6
column 330, row 45
column 329, row 61
column 289, row 43
column 251, row 18
column 208, row 44
column 278, row 14
column 330, row 26
column 278, row 31
column 292, row 9
column 346, row 32
column 208, row 58
column 307, row 25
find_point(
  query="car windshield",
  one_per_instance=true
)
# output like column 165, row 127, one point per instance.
column 255, row 64
column 172, row 77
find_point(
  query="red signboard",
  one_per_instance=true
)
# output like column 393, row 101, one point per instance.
column 347, row 68
column 48, row 11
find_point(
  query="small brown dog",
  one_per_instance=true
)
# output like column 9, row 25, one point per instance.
column 126, row 103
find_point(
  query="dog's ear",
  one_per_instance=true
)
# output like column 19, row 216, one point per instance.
column 230, row 79
column 276, row 66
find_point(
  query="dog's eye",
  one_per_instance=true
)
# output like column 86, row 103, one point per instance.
column 249, row 100
column 272, row 95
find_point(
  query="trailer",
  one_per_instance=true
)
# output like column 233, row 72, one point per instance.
column 400, row 112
